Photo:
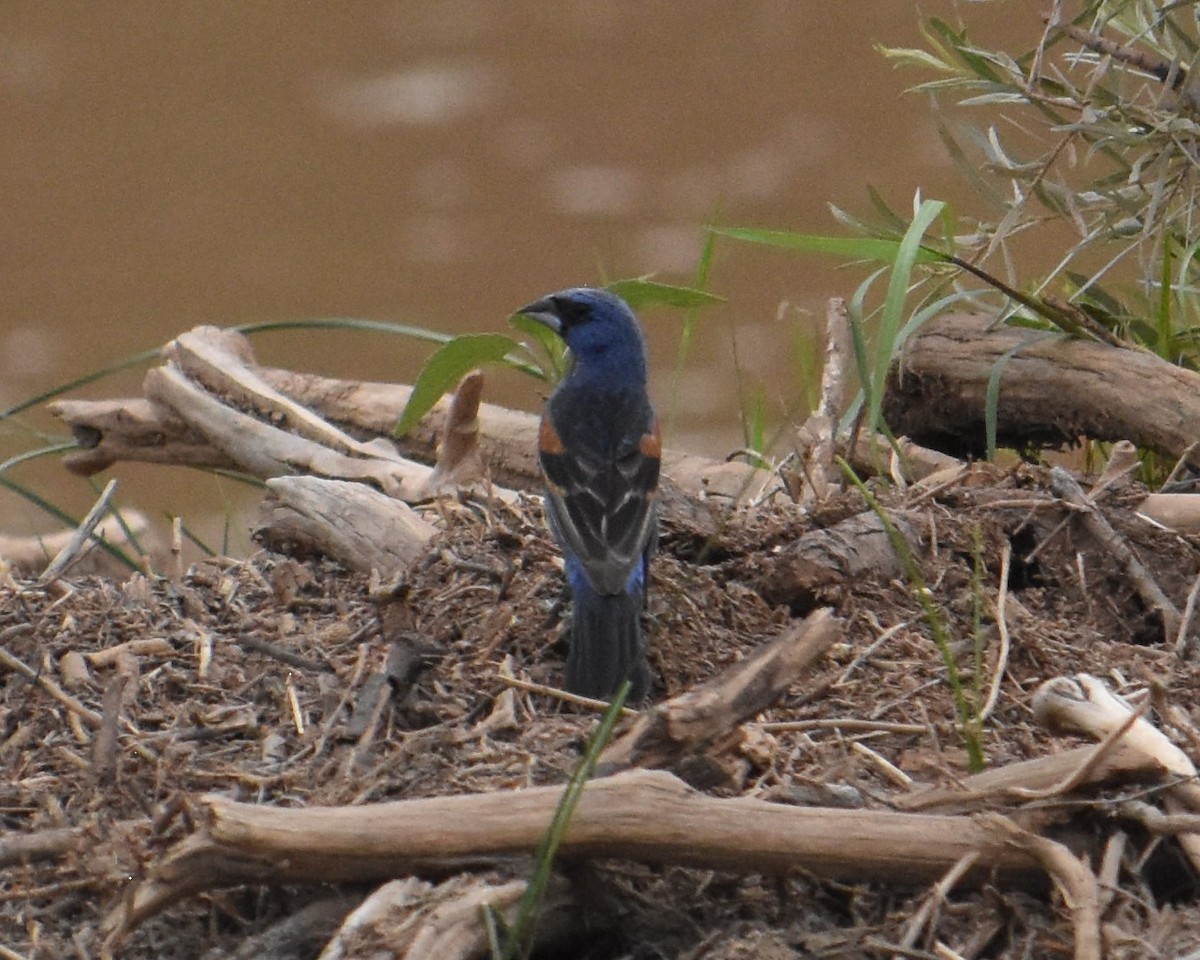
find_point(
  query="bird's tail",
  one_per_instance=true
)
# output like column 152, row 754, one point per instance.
column 606, row 645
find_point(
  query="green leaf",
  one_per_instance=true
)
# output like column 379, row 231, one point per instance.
column 907, row 254
column 912, row 56
column 640, row 292
column 449, row 363
column 550, row 342
column 853, row 248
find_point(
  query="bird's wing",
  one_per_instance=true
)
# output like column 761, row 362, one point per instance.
column 602, row 510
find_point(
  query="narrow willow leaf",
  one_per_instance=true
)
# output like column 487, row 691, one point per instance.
column 446, row 367
column 641, row 292
column 914, row 57
column 854, row 248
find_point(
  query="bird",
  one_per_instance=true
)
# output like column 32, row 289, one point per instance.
column 600, row 451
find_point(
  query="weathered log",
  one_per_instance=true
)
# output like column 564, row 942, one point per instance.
column 1053, row 390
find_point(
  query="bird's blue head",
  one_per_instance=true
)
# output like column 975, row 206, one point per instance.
column 601, row 331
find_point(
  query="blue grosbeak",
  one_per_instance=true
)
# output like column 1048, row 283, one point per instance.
column 600, row 451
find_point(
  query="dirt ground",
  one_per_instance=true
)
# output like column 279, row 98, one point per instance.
column 289, row 682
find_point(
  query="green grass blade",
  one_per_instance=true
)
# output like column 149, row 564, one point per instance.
column 519, row 943
column 28, row 455
column 1164, row 301
column 131, row 361
column 991, row 401
column 969, row 728
column 703, row 273
column 358, row 324
column 449, row 364
column 907, row 255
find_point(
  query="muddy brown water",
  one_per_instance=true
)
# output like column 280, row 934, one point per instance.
column 437, row 163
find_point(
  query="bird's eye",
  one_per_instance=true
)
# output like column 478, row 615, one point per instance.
column 572, row 312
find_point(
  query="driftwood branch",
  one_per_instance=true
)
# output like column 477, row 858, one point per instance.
column 1053, row 390
column 644, row 815
column 351, row 412
column 696, row 720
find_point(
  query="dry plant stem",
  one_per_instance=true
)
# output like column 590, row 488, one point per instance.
column 1182, row 637
column 11, row 663
column 1076, row 882
column 1002, row 628
column 362, row 527
column 935, row 898
column 587, row 703
column 645, row 815
column 43, row 845
column 1151, row 594
column 70, row 551
column 816, row 438
column 1052, row 391
column 707, row 715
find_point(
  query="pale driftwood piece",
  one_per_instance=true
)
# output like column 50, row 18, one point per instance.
column 351, row 522
column 645, row 815
column 1075, row 880
column 222, row 362
column 1053, row 390
column 459, row 461
column 1148, row 590
column 132, row 429
column 1084, row 704
column 915, row 463
column 1178, row 511
column 699, row 719
column 817, row 436
column 414, row 920
column 1015, row 781
column 805, row 572
column 29, row 555
column 260, row 449
column 1122, row 461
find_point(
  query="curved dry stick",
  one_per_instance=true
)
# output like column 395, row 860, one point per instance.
column 1002, row 629
column 1078, row 884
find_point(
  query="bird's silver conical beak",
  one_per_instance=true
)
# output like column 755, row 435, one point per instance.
column 544, row 312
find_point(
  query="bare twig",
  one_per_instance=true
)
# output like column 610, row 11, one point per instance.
column 1151, row 594
column 70, row 552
